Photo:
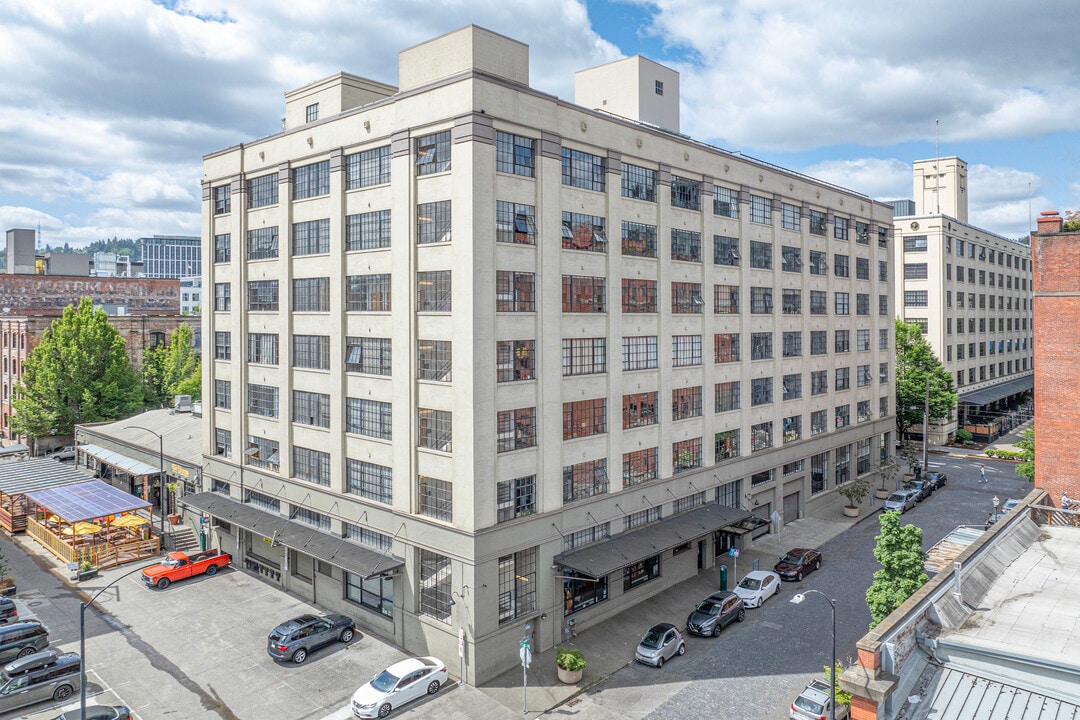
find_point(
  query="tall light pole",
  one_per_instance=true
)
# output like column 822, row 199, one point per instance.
column 798, row 598
column 161, row 474
column 82, row 636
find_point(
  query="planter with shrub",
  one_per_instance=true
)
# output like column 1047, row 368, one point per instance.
column 571, row 664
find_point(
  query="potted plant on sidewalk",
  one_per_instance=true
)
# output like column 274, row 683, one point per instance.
column 885, row 471
column 855, row 491
column 571, row 664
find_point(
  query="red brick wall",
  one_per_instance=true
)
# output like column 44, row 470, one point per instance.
column 50, row 294
column 1056, row 277
column 863, row 708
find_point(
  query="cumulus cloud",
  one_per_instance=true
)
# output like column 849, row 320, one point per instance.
column 107, row 106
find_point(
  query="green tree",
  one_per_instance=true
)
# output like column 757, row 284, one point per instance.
column 79, row 373
column 831, row 677
column 899, row 550
column 172, row 370
column 915, row 362
column 1026, row 443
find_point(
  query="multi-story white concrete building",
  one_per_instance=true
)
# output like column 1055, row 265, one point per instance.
column 483, row 357
column 191, row 295
column 971, row 292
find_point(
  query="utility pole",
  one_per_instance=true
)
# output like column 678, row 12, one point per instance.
column 926, row 427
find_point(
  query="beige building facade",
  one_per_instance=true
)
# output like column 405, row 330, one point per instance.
column 490, row 362
column 971, row 293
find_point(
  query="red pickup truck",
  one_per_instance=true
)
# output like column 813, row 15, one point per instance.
column 178, row 566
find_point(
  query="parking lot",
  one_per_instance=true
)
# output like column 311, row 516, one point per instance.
column 198, row 649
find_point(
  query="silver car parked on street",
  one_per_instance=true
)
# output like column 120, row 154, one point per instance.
column 901, row 501
column 662, row 642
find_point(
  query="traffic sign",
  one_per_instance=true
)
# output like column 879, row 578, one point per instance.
column 461, row 642
column 526, row 655
column 734, row 552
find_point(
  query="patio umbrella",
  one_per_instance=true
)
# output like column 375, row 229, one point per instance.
column 81, row 528
column 129, row 521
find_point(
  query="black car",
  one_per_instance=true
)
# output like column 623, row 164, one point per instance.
column 295, row 639
column 922, row 488
column 937, row 479
column 716, row 612
column 8, row 611
column 798, row 562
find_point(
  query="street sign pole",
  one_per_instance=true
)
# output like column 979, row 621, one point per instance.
column 461, row 655
column 525, row 653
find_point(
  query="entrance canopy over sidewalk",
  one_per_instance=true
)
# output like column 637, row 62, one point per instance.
column 628, row 548
column 305, row 539
column 86, row 501
column 985, row 396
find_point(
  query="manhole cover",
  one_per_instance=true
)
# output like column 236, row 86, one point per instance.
column 35, row 603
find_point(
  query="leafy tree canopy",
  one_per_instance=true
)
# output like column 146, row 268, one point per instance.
column 899, row 550
column 1026, row 443
column 172, row 370
column 915, row 362
column 79, row 373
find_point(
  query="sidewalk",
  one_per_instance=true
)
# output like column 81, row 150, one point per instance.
column 610, row 645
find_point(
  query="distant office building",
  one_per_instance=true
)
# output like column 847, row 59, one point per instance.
column 171, row 256
column 109, row 264
column 24, row 259
column 190, row 295
column 970, row 292
column 1055, row 257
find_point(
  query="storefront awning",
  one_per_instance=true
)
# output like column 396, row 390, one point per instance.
column 630, row 547
column 988, row 395
column 117, row 460
column 305, row 539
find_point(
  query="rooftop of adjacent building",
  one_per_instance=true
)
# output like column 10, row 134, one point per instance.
column 181, row 433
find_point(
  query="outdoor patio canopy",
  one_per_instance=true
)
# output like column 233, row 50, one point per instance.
column 86, row 501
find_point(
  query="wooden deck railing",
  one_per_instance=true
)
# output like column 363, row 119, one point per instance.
column 102, row 555
column 1047, row 515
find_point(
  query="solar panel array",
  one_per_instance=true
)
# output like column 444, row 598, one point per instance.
column 86, row 501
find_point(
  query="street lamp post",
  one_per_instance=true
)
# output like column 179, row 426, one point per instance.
column 798, row 598
column 82, row 636
column 161, row 474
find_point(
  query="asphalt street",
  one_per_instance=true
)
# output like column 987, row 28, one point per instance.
column 755, row 669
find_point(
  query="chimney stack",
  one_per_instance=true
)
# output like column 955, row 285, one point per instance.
column 1049, row 222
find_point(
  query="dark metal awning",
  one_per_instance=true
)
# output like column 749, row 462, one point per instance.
column 305, row 539
column 985, row 396
column 86, row 501
column 630, row 547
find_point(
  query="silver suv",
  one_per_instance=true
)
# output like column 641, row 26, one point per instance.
column 814, row 702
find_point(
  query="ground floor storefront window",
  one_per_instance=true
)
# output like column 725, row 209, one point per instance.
column 375, row 593
column 641, row 572
column 579, row 592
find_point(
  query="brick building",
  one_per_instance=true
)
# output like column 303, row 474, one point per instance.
column 50, row 294
column 20, row 334
column 1055, row 255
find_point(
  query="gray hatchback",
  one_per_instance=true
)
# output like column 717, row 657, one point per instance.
column 295, row 639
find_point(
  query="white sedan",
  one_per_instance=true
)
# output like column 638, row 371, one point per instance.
column 398, row 684
column 757, row 586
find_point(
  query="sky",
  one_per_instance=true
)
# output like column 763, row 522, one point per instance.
column 108, row 106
